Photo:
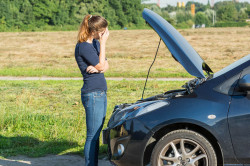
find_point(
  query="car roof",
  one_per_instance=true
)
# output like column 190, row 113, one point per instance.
column 239, row 62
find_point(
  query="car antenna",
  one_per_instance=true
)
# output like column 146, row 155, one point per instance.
column 150, row 69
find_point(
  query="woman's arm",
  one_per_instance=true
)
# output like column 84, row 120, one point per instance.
column 106, row 67
column 103, row 38
column 92, row 69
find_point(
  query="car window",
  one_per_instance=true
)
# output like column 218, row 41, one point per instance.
column 227, row 87
column 243, row 73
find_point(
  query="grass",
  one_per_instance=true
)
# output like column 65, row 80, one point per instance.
column 130, row 52
column 47, row 117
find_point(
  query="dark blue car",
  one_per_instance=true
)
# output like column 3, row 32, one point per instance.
column 207, row 123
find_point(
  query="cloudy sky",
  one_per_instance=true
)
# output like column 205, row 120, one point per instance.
column 174, row 2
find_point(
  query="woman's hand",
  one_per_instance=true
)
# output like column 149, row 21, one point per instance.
column 91, row 69
column 104, row 36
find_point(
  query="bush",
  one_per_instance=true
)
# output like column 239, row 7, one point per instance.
column 183, row 25
column 2, row 24
column 230, row 24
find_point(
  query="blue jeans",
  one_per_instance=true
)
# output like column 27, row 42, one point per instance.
column 95, row 104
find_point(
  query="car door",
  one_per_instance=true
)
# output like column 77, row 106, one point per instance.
column 239, row 123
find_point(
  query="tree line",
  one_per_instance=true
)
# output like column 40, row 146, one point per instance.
column 37, row 15
column 34, row 15
column 226, row 13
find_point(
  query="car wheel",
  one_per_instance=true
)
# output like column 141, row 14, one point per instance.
column 183, row 148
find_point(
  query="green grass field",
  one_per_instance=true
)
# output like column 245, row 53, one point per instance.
column 47, row 117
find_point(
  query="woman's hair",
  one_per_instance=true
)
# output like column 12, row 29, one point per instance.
column 90, row 23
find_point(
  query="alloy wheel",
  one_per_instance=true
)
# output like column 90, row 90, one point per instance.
column 183, row 152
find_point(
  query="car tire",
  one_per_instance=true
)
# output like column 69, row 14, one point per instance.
column 183, row 147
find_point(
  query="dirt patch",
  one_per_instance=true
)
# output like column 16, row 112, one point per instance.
column 50, row 160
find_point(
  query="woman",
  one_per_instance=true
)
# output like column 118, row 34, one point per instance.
column 91, row 60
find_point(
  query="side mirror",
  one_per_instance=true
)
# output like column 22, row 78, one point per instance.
column 244, row 83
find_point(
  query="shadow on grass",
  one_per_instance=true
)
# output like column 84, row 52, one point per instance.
column 32, row 147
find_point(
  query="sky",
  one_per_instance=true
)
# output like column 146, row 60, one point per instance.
column 164, row 3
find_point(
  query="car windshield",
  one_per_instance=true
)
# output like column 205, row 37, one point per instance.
column 233, row 65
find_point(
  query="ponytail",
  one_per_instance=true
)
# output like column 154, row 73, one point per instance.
column 84, row 33
column 90, row 24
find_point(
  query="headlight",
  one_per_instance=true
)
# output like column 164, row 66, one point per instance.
column 151, row 107
column 139, row 109
column 124, row 112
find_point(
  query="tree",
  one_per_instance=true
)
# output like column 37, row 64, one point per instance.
column 248, row 10
column 81, row 11
column 182, row 16
column 27, row 12
column 209, row 13
column 169, row 8
column 132, row 10
column 227, row 12
column 243, row 14
column 121, row 21
column 201, row 18
column 2, row 24
column 56, row 14
column 208, row 4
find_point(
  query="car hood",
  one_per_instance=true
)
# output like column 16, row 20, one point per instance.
column 180, row 49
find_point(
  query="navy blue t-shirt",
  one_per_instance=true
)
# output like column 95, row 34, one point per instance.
column 87, row 54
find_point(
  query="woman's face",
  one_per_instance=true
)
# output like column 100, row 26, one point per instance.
column 99, row 33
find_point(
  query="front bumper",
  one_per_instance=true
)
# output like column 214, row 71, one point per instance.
column 132, row 135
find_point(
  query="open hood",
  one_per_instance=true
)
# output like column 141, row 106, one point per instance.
column 181, row 50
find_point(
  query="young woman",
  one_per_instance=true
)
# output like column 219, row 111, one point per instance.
column 91, row 60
